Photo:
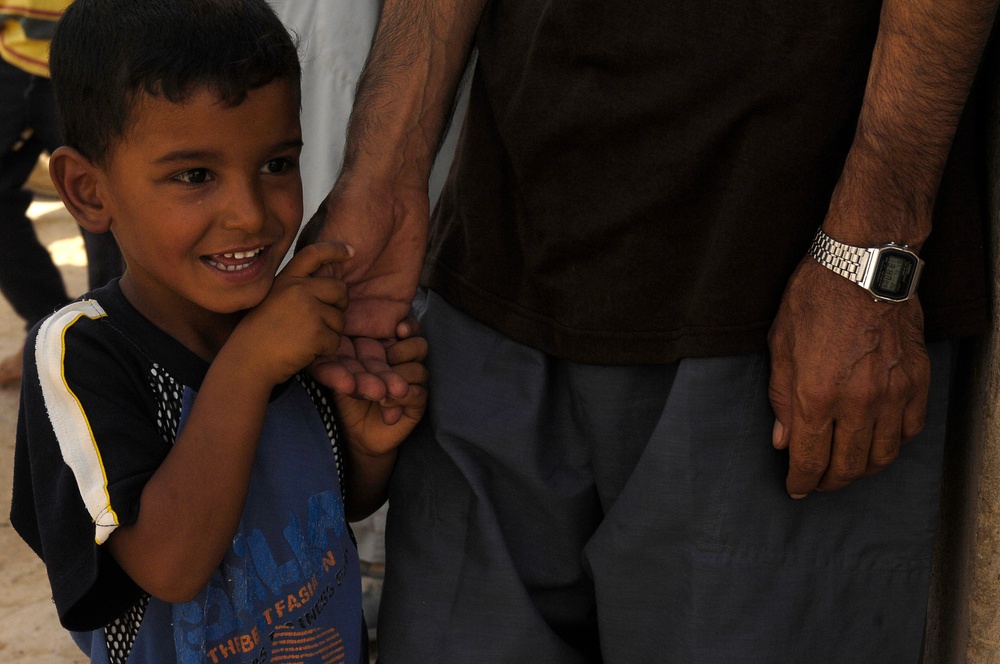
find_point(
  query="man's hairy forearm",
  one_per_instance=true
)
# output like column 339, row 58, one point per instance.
column 407, row 90
column 924, row 62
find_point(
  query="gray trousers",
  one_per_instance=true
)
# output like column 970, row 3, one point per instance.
column 553, row 512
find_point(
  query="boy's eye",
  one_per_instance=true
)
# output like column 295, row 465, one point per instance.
column 194, row 176
column 279, row 165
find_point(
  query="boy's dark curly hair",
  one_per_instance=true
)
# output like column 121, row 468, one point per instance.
column 107, row 54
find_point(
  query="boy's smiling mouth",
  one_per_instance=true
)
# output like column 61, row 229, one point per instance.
column 234, row 261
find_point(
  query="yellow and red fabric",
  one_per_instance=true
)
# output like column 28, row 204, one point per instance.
column 25, row 31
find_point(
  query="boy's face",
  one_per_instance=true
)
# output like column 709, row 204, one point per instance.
column 205, row 200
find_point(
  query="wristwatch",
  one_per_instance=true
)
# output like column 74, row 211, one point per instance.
column 889, row 272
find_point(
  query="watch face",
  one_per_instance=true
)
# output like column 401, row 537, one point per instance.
column 893, row 274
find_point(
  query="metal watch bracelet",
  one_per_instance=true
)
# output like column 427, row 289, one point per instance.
column 889, row 272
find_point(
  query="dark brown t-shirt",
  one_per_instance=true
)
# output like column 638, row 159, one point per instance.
column 635, row 181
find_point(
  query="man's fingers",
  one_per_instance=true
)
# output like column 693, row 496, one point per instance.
column 360, row 368
column 395, row 386
column 808, row 457
column 339, row 371
column 413, row 401
column 915, row 415
column 314, row 256
column 332, row 373
column 779, row 392
column 408, row 327
column 372, row 355
column 848, row 454
column 374, row 318
column 886, row 441
column 369, row 386
column 407, row 350
column 414, row 373
column 405, row 364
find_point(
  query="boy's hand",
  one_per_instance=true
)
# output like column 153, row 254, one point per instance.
column 300, row 319
column 375, row 428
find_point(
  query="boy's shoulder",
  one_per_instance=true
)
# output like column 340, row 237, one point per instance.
column 77, row 321
column 102, row 331
column 80, row 326
column 99, row 358
column 79, row 334
column 92, row 306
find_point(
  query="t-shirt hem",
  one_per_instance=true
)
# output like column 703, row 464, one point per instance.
column 659, row 347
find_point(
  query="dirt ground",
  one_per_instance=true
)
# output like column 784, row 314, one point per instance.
column 29, row 630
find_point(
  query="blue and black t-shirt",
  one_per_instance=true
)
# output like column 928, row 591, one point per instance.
column 104, row 394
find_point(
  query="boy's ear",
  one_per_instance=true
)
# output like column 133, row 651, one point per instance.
column 78, row 182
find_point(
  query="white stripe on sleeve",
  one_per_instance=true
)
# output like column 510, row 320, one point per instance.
column 69, row 421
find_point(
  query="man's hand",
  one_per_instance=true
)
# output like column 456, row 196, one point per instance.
column 386, row 225
column 849, row 379
column 379, row 204
column 388, row 231
column 850, row 376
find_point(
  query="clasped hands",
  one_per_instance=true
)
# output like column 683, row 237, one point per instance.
column 386, row 228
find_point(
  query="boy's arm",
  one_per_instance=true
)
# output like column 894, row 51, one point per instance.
column 67, row 489
column 191, row 506
column 369, row 442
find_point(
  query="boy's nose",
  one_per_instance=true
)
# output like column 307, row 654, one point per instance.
column 245, row 209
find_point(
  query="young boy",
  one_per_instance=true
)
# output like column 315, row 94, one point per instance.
column 183, row 479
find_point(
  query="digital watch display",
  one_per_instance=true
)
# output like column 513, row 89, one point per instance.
column 893, row 274
column 890, row 272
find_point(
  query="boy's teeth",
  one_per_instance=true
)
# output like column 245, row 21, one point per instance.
column 248, row 256
column 239, row 255
column 229, row 268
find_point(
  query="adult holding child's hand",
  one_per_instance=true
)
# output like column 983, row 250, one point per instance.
column 380, row 205
column 389, row 231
